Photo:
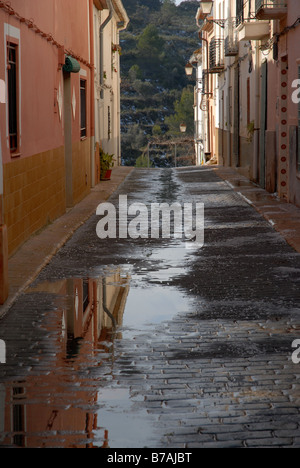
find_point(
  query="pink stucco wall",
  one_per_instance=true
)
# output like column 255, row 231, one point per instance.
column 39, row 77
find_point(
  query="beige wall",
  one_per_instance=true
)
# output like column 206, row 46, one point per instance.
column 34, row 194
column 107, row 107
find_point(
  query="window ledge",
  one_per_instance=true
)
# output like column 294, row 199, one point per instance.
column 15, row 155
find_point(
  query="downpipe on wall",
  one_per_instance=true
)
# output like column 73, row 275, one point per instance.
column 102, row 27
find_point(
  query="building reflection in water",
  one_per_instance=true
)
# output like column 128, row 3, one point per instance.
column 57, row 407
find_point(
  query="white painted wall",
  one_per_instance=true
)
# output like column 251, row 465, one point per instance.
column 107, row 104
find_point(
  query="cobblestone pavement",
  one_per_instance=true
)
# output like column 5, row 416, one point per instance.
column 144, row 343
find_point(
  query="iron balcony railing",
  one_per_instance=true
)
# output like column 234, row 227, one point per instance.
column 216, row 55
column 231, row 38
column 270, row 9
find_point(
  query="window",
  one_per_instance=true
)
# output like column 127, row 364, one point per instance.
column 298, row 142
column 83, row 130
column 239, row 11
column 12, row 83
column 250, row 8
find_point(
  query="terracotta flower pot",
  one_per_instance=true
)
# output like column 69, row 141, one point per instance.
column 106, row 175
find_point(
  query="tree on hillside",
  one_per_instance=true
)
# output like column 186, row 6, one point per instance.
column 135, row 73
column 155, row 48
column 168, row 9
column 184, row 113
column 152, row 4
column 132, row 5
column 150, row 44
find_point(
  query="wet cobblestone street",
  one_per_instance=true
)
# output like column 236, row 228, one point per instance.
column 144, row 343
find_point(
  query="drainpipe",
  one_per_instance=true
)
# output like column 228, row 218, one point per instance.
column 120, row 27
column 102, row 27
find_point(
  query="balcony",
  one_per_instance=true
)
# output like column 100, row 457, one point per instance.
column 253, row 30
column 216, row 55
column 270, row 9
column 231, row 38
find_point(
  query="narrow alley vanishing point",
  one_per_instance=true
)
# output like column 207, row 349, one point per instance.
column 143, row 343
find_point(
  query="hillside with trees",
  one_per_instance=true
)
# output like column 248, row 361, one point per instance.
column 156, row 95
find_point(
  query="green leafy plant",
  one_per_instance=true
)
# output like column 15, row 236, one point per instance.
column 106, row 161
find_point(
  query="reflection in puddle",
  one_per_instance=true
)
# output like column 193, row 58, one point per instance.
column 54, row 405
column 90, row 309
column 63, row 399
column 116, row 428
column 152, row 306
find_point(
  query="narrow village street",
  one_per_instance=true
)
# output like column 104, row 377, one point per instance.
column 126, row 343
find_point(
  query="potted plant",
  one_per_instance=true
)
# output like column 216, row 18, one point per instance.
column 116, row 48
column 106, row 164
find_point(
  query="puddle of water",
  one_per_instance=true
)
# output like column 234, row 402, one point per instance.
column 152, row 306
column 170, row 255
column 69, row 354
column 170, row 262
column 123, row 422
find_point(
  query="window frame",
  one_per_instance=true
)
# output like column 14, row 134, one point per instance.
column 83, row 108
column 13, row 107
